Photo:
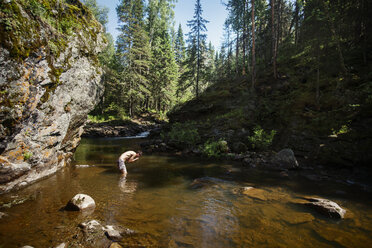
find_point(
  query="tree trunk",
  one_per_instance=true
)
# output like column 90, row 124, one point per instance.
column 273, row 38
column 317, row 93
column 363, row 32
column 278, row 24
column 296, row 23
column 244, row 37
column 237, row 54
column 253, row 49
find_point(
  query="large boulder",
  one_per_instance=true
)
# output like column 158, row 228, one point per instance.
column 81, row 202
column 50, row 79
column 286, row 159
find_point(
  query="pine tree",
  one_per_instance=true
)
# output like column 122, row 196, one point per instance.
column 180, row 46
column 133, row 48
column 164, row 69
column 196, row 39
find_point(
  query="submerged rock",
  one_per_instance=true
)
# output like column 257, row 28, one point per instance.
column 91, row 226
column 80, row 202
column 112, row 234
column 84, row 165
column 96, row 233
column 63, row 245
column 204, row 182
column 115, row 245
column 258, row 194
column 3, row 215
column 326, row 207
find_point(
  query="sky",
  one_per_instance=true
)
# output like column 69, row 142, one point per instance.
column 213, row 11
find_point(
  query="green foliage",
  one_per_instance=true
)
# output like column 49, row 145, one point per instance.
column 27, row 155
column 214, row 149
column 344, row 129
column 22, row 20
column 261, row 139
column 184, row 134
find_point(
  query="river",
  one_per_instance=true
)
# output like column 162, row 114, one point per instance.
column 156, row 201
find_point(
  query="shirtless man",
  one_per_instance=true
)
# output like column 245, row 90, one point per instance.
column 129, row 156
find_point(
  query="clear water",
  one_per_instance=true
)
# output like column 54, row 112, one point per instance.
column 156, row 200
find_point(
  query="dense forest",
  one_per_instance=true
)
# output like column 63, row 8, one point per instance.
column 152, row 67
column 290, row 73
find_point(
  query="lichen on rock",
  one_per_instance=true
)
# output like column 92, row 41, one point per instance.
column 50, row 80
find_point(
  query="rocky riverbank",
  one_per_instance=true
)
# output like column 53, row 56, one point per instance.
column 119, row 128
column 285, row 163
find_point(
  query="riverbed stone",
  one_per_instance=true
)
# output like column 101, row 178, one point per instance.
column 115, row 245
column 254, row 193
column 298, row 218
column 204, row 182
column 326, row 207
column 112, row 233
column 62, row 245
column 91, row 226
column 2, row 215
column 81, row 202
column 84, row 165
column 286, row 159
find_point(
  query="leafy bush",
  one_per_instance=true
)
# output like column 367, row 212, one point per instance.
column 214, row 149
column 101, row 118
column 261, row 139
column 183, row 134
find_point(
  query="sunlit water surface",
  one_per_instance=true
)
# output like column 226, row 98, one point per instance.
column 156, row 200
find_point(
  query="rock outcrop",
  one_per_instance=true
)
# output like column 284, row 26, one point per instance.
column 49, row 81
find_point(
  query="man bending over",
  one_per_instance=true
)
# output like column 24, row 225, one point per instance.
column 129, row 156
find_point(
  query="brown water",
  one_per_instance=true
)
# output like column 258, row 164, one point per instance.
column 156, row 201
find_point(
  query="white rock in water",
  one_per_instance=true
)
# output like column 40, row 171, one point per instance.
column 81, row 202
column 112, row 234
column 327, row 207
column 84, row 165
column 63, row 245
column 91, row 226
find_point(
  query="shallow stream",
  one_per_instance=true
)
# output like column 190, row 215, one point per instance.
column 157, row 201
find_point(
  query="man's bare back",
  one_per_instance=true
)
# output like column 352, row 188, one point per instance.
column 129, row 156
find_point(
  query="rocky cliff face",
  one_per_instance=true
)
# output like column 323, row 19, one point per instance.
column 49, row 80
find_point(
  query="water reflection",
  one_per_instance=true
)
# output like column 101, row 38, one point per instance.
column 156, row 200
column 127, row 187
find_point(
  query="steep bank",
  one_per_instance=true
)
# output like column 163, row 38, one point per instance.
column 49, row 81
column 332, row 130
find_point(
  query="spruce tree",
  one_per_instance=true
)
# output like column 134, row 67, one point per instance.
column 180, row 46
column 134, row 52
column 196, row 40
column 164, row 69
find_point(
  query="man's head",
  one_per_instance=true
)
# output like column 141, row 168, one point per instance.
column 139, row 153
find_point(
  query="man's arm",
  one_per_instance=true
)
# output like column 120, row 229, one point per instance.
column 133, row 158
